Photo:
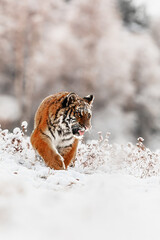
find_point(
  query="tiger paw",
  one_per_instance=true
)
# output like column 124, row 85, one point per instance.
column 57, row 163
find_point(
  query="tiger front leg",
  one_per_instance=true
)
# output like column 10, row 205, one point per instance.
column 69, row 154
column 42, row 144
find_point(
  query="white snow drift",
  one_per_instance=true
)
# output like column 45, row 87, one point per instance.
column 111, row 193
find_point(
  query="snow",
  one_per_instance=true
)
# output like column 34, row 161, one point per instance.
column 111, row 193
column 24, row 125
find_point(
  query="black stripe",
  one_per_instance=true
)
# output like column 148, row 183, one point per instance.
column 66, row 122
column 50, row 122
column 51, row 132
column 70, row 145
column 64, row 116
column 69, row 113
column 67, row 139
column 72, row 110
column 56, row 122
column 49, row 128
column 44, row 134
column 60, row 131
column 55, row 116
column 39, row 121
column 66, row 133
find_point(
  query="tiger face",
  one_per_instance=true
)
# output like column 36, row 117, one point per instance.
column 78, row 113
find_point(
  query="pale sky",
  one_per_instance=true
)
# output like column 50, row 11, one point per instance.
column 152, row 6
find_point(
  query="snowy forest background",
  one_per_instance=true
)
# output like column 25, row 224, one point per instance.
column 107, row 48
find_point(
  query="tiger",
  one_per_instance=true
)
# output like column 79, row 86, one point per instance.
column 60, row 122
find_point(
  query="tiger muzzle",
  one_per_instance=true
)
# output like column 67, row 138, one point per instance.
column 78, row 131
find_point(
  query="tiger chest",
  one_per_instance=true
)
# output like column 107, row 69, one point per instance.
column 61, row 138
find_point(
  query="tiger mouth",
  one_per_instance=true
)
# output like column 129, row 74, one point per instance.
column 78, row 132
column 81, row 133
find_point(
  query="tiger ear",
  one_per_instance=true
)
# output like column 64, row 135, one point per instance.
column 89, row 99
column 69, row 99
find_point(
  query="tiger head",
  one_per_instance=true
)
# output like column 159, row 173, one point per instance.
column 78, row 113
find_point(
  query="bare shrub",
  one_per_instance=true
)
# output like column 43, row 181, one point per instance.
column 93, row 156
column 16, row 144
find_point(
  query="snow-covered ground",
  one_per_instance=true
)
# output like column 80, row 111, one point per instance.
column 113, row 192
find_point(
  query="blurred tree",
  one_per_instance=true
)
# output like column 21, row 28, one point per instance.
column 19, row 38
column 134, row 17
column 82, row 46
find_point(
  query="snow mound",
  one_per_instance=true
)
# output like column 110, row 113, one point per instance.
column 18, row 157
column 111, row 187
